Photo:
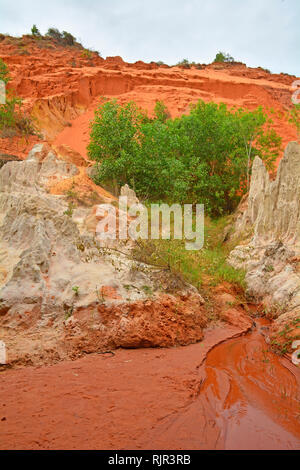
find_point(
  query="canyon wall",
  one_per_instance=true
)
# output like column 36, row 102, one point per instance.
column 268, row 231
column 62, row 86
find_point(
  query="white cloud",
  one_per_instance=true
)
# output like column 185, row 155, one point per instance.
column 259, row 32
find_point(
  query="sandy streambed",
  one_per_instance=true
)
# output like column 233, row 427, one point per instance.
column 236, row 395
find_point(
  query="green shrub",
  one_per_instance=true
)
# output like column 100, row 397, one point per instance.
column 54, row 33
column 87, row 54
column 64, row 37
column 206, row 266
column 203, row 157
column 161, row 111
column 223, row 57
column 68, row 38
column 35, row 31
column 184, row 63
column 12, row 119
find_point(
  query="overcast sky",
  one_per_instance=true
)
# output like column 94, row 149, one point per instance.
column 262, row 33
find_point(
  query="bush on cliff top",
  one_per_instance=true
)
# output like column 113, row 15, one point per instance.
column 223, row 57
column 35, row 31
column 202, row 157
column 62, row 37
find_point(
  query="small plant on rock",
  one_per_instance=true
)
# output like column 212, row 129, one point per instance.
column 69, row 211
column 75, row 289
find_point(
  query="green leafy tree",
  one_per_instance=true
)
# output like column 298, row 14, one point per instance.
column 155, row 173
column 202, row 157
column 114, row 139
column 68, row 38
column 223, row 57
column 54, row 33
column 210, row 150
column 62, row 37
column 259, row 138
column 35, row 31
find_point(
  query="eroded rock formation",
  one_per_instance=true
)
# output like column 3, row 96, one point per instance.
column 269, row 229
column 55, row 276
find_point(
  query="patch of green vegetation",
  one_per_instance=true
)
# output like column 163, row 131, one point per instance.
column 75, row 289
column 13, row 119
column 87, row 54
column 35, row 31
column 70, row 210
column 294, row 117
column 161, row 112
column 147, row 290
column 127, row 286
column 269, row 268
column 4, row 72
column 63, row 37
column 207, row 266
column 284, row 346
column 202, row 157
column 100, row 295
column 71, row 194
column 223, row 57
column 184, row 63
column 68, row 311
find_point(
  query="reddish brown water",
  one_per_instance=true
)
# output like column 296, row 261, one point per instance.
column 249, row 399
column 256, row 395
column 240, row 397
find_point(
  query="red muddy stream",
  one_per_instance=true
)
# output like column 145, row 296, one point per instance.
column 241, row 397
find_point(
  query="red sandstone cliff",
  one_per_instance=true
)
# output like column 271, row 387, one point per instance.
column 62, row 86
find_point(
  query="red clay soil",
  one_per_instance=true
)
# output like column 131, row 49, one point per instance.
column 240, row 397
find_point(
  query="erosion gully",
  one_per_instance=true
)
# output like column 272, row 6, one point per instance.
column 235, row 395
